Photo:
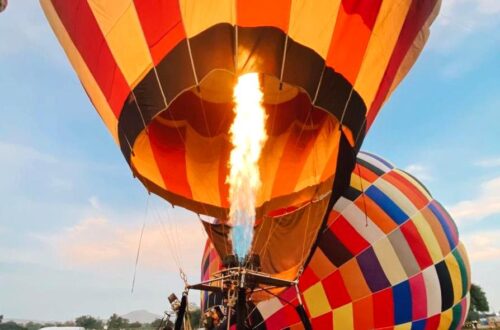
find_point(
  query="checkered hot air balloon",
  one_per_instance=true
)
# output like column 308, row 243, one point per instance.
column 389, row 257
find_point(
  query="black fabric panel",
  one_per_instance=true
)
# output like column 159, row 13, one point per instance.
column 213, row 49
column 355, row 114
column 303, row 67
column 351, row 193
column 176, row 71
column 446, row 285
column 129, row 126
column 333, row 248
column 260, row 49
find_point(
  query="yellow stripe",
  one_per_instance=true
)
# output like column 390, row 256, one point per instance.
column 199, row 15
column 425, row 231
column 316, row 300
column 415, row 183
column 358, row 182
column 343, row 317
column 405, row 326
column 89, row 83
column 446, row 319
column 122, row 29
column 389, row 261
column 144, row 161
column 456, row 277
column 312, row 23
column 383, row 39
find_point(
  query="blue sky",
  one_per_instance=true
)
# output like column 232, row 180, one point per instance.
column 71, row 212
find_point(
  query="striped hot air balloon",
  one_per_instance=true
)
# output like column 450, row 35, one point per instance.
column 389, row 258
column 161, row 72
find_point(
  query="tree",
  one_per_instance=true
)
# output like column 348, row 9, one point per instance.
column 11, row 326
column 158, row 323
column 478, row 302
column 88, row 322
column 135, row 325
column 195, row 318
column 117, row 322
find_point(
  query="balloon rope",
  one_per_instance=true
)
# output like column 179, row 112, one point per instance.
column 140, row 245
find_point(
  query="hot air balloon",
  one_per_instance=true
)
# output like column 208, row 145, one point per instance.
column 162, row 76
column 389, row 257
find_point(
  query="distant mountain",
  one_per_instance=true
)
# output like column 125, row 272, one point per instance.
column 141, row 316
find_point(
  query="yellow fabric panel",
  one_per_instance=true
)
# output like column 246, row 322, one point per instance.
column 316, row 300
column 358, row 182
column 405, row 326
column 143, row 160
column 202, row 165
column 389, row 261
column 343, row 317
column 465, row 258
column 415, row 183
column 446, row 319
column 199, row 15
column 397, row 196
column 87, row 79
column 428, row 236
column 383, row 39
column 122, row 29
column 312, row 23
column 325, row 145
column 456, row 277
column 269, row 163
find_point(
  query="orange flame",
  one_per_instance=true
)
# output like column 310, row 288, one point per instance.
column 248, row 135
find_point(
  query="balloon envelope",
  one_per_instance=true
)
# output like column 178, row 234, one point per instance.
column 161, row 74
column 389, row 256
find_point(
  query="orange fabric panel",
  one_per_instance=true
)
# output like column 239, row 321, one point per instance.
column 376, row 214
column 263, row 13
column 351, row 35
column 438, row 231
column 413, row 194
column 354, row 280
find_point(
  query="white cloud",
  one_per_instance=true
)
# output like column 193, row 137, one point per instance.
column 102, row 245
column 484, row 204
column 488, row 162
column 483, row 246
column 420, row 171
column 459, row 19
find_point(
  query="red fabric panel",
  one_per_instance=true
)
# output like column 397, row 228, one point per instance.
column 416, row 244
column 323, row 322
column 433, row 322
column 307, row 279
column 363, row 313
column 417, row 15
column 418, row 297
column 410, row 191
column 352, row 32
column 82, row 27
column 383, row 308
column 335, row 284
column 349, row 237
column 263, row 13
column 161, row 22
column 283, row 318
column 169, row 151
column 365, row 173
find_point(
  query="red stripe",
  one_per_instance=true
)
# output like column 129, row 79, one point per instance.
column 83, row 29
column 410, row 191
column 349, row 237
column 383, row 309
column 417, row 244
column 418, row 297
column 169, row 151
column 161, row 22
column 417, row 16
column 335, row 283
